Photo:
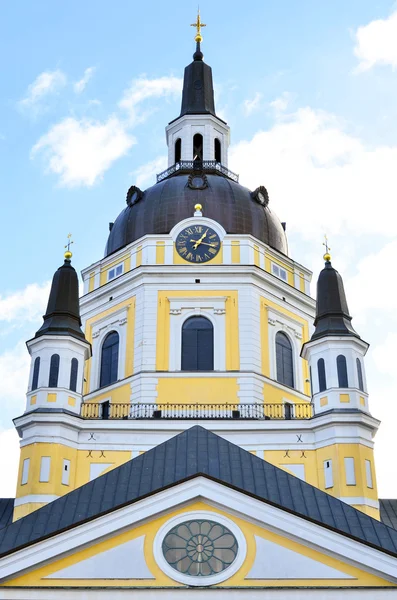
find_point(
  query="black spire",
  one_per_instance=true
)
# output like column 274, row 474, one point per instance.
column 62, row 316
column 332, row 313
column 198, row 89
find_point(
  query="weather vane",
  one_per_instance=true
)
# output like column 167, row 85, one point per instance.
column 68, row 254
column 198, row 25
column 327, row 255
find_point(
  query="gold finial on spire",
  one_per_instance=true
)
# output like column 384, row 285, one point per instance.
column 198, row 24
column 68, row 254
column 327, row 255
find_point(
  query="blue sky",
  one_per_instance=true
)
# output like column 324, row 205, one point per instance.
column 309, row 91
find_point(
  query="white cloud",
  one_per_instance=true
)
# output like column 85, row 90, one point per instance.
column 146, row 174
column 80, row 151
column 384, row 354
column 9, row 460
column 376, row 43
column 142, row 89
column 45, row 84
column 251, row 106
column 27, row 305
column 323, row 178
column 79, row 86
column 280, row 104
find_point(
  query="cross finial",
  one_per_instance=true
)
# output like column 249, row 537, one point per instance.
column 198, row 25
column 327, row 255
column 68, row 254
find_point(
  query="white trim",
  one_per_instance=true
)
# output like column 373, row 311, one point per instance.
column 350, row 473
column 217, row 227
column 199, row 581
column 360, row 500
column 220, row 497
column 41, row 498
column 45, row 468
column 182, row 593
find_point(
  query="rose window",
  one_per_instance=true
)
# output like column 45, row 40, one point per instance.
column 200, row 548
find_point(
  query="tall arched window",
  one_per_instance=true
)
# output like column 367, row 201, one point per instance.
column 284, row 360
column 74, row 368
column 198, row 147
column 217, row 150
column 109, row 359
column 341, row 366
column 197, row 345
column 36, row 371
column 360, row 375
column 54, row 371
column 178, row 150
column 322, row 379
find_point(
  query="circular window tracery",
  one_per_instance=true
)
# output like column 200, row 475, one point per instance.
column 200, row 548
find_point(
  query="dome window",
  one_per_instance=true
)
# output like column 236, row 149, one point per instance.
column 198, row 147
column 36, row 371
column 178, row 150
column 322, row 379
column 284, row 360
column 74, row 367
column 110, row 359
column 54, row 371
column 360, row 375
column 115, row 271
column 197, row 345
column 341, row 366
column 217, row 150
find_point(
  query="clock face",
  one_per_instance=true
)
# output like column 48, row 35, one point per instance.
column 198, row 243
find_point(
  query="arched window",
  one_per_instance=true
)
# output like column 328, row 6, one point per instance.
column 109, row 359
column 178, row 150
column 197, row 345
column 284, row 360
column 198, row 147
column 36, row 371
column 217, row 150
column 341, row 366
column 322, row 379
column 54, row 371
column 360, row 375
column 74, row 367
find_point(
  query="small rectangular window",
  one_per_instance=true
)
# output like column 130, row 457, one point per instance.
column 45, row 464
column 25, row 471
column 350, row 471
column 115, row 271
column 66, row 472
column 279, row 272
column 368, row 473
column 328, row 476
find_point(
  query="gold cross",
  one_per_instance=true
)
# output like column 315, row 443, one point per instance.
column 70, row 241
column 198, row 25
column 68, row 254
column 327, row 255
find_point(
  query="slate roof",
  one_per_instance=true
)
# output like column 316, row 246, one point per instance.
column 388, row 512
column 6, row 511
column 192, row 453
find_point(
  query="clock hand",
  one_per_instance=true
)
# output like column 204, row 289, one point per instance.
column 198, row 242
column 203, row 243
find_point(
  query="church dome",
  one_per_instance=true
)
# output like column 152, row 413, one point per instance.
column 162, row 206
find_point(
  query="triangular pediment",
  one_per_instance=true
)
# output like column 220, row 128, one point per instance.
column 125, row 547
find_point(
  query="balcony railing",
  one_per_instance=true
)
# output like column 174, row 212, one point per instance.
column 107, row 410
column 187, row 166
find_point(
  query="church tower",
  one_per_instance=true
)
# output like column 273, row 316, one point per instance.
column 197, row 315
column 196, row 419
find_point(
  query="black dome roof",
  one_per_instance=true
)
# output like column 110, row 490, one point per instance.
column 163, row 205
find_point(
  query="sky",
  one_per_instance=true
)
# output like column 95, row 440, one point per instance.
column 309, row 90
